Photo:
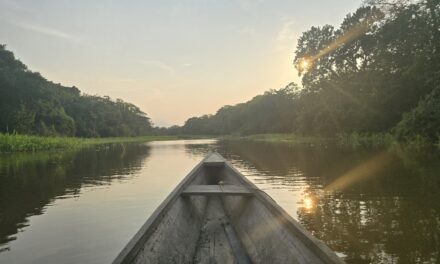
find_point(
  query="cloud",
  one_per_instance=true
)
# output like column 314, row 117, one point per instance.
column 287, row 37
column 48, row 31
column 43, row 30
column 158, row 64
column 287, row 32
column 187, row 64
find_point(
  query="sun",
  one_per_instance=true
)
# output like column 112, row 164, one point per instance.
column 304, row 64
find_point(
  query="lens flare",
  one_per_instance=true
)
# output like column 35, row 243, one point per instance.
column 349, row 35
column 304, row 64
column 363, row 171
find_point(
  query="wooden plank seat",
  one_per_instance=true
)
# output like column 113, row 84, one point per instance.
column 216, row 190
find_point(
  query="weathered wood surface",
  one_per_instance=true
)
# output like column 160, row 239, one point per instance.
column 204, row 221
column 212, row 245
column 214, row 160
column 216, row 190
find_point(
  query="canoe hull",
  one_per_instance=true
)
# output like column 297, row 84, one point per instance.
column 222, row 228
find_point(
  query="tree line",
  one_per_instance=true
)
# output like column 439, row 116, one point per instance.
column 30, row 104
column 379, row 71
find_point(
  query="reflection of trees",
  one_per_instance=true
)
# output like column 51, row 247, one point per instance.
column 28, row 182
column 281, row 163
column 391, row 217
column 199, row 149
column 375, row 230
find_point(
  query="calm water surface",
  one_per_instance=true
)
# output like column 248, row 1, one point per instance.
column 83, row 206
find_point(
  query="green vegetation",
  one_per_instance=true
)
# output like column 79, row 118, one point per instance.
column 354, row 140
column 29, row 104
column 371, row 81
column 15, row 143
column 282, row 138
column 422, row 121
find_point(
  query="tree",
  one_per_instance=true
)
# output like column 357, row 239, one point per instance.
column 30, row 104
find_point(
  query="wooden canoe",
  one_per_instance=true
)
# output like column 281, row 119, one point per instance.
column 216, row 215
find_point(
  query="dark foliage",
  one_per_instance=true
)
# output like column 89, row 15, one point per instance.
column 29, row 104
column 381, row 65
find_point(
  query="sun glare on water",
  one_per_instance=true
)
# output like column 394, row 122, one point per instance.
column 308, row 202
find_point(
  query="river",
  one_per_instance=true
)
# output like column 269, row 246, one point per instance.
column 370, row 206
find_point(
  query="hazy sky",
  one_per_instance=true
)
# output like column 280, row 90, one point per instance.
column 174, row 59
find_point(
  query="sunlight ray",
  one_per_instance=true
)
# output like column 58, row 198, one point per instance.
column 364, row 171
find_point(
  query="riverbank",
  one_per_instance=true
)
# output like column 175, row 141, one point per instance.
column 27, row 143
column 22, row 143
column 353, row 140
column 282, row 138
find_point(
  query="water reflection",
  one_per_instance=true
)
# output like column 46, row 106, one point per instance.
column 369, row 206
column 308, row 202
column 83, row 207
column 29, row 182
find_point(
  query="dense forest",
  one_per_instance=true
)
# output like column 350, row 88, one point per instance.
column 30, row 104
column 379, row 72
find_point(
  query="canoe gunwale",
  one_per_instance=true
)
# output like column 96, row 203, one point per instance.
column 316, row 245
column 132, row 248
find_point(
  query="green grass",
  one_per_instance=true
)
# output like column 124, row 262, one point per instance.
column 184, row 136
column 17, row 143
column 353, row 140
column 285, row 138
column 380, row 140
column 366, row 140
column 22, row 143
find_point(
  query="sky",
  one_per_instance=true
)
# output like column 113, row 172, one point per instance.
column 173, row 59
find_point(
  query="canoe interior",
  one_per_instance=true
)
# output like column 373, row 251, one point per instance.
column 222, row 228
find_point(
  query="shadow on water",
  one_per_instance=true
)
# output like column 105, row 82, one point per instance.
column 31, row 181
column 370, row 206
